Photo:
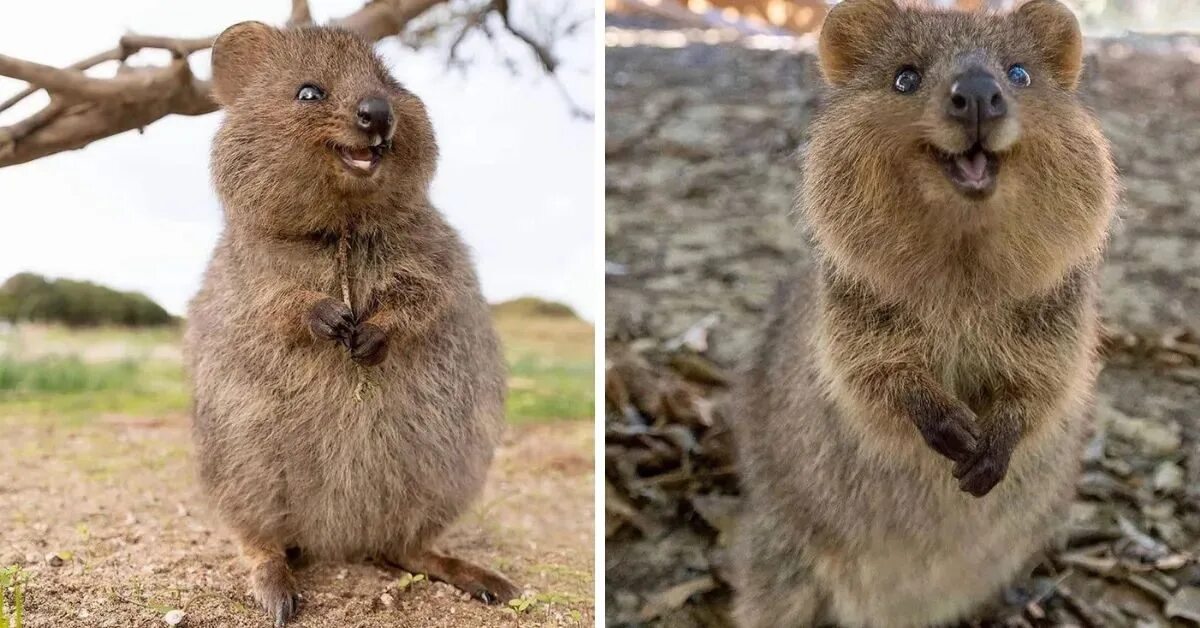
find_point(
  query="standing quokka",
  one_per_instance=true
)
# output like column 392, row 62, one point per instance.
column 342, row 431
column 909, row 432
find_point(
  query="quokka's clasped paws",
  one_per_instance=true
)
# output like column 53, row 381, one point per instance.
column 369, row 345
column 330, row 319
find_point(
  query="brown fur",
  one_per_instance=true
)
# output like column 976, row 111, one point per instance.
column 909, row 431
column 287, row 454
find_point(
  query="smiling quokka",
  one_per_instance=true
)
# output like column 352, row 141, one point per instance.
column 909, row 431
column 344, row 430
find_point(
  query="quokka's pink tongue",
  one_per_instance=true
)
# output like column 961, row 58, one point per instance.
column 974, row 166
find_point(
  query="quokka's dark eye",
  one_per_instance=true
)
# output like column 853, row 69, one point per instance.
column 908, row 79
column 1018, row 75
column 310, row 93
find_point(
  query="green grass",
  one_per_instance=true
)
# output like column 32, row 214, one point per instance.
column 12, row 597
column 551, row 366
column 69, row 374
column 543, row 389
column 76, row 375
column 69, row 386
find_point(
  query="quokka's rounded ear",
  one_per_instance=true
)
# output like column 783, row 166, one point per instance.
column 236, row 56
column 1057, row 34
column 850, row 31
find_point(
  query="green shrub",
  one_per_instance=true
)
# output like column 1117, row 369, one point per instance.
column 533, row 307
column 30, row 297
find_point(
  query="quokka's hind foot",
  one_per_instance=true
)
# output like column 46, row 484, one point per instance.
column 479, row 582
column 272, row 584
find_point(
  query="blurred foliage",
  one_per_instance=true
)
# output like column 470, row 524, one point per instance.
column 533, row 307
column 31, row 297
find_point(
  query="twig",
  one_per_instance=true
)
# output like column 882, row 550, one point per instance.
column 545, row 57
column 1082, row 608
column 343, row 264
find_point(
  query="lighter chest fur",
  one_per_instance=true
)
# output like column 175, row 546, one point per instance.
column 887, row 536
column 934, row 553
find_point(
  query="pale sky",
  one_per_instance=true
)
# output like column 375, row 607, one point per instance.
column 136, row 212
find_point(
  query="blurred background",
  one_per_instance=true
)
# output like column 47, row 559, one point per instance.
column 707, row 103
column 788, row 17
column 105, row 242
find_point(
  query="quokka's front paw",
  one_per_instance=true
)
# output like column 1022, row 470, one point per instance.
column 980, row 473
column 274, row 588
column 332, row 320
column 948, row 427
column 369, row 346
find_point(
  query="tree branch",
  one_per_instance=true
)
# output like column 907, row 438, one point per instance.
column 544, row 57
column 300, row 13
column 130, row 87
column 84, row 109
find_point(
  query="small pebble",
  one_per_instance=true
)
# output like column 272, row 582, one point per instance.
column 1083, row 513
column 1168, row 477
column 54, row 560
column 1152, row 438
column 174, row 617
column 1159, row 511
column 1185, row 604
column 388, row 600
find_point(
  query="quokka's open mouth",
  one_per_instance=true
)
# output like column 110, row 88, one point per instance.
column 973, row 172
column 365, row 160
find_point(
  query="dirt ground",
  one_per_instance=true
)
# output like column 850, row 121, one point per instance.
column 700, row 173
column 106, row 519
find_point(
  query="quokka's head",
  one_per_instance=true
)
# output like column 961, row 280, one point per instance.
column 944, row 125
column 314, row 127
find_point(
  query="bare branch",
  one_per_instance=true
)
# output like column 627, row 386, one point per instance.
column 74, row 83
column 300, row 13
column 108, row 55
column 178, row 47
column 544, row 56
column 384, row 18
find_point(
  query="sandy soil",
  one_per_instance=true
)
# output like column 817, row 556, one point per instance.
column 108, row 522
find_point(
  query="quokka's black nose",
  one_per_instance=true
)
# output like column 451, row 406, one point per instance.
column 375, row 117
column 975, row 100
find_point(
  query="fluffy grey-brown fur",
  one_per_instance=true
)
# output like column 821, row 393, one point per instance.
column 291, row 451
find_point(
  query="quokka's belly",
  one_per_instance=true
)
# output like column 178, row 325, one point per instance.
column 311, row 458
column 380, row 480
column 938, row 553
column 894, row 582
